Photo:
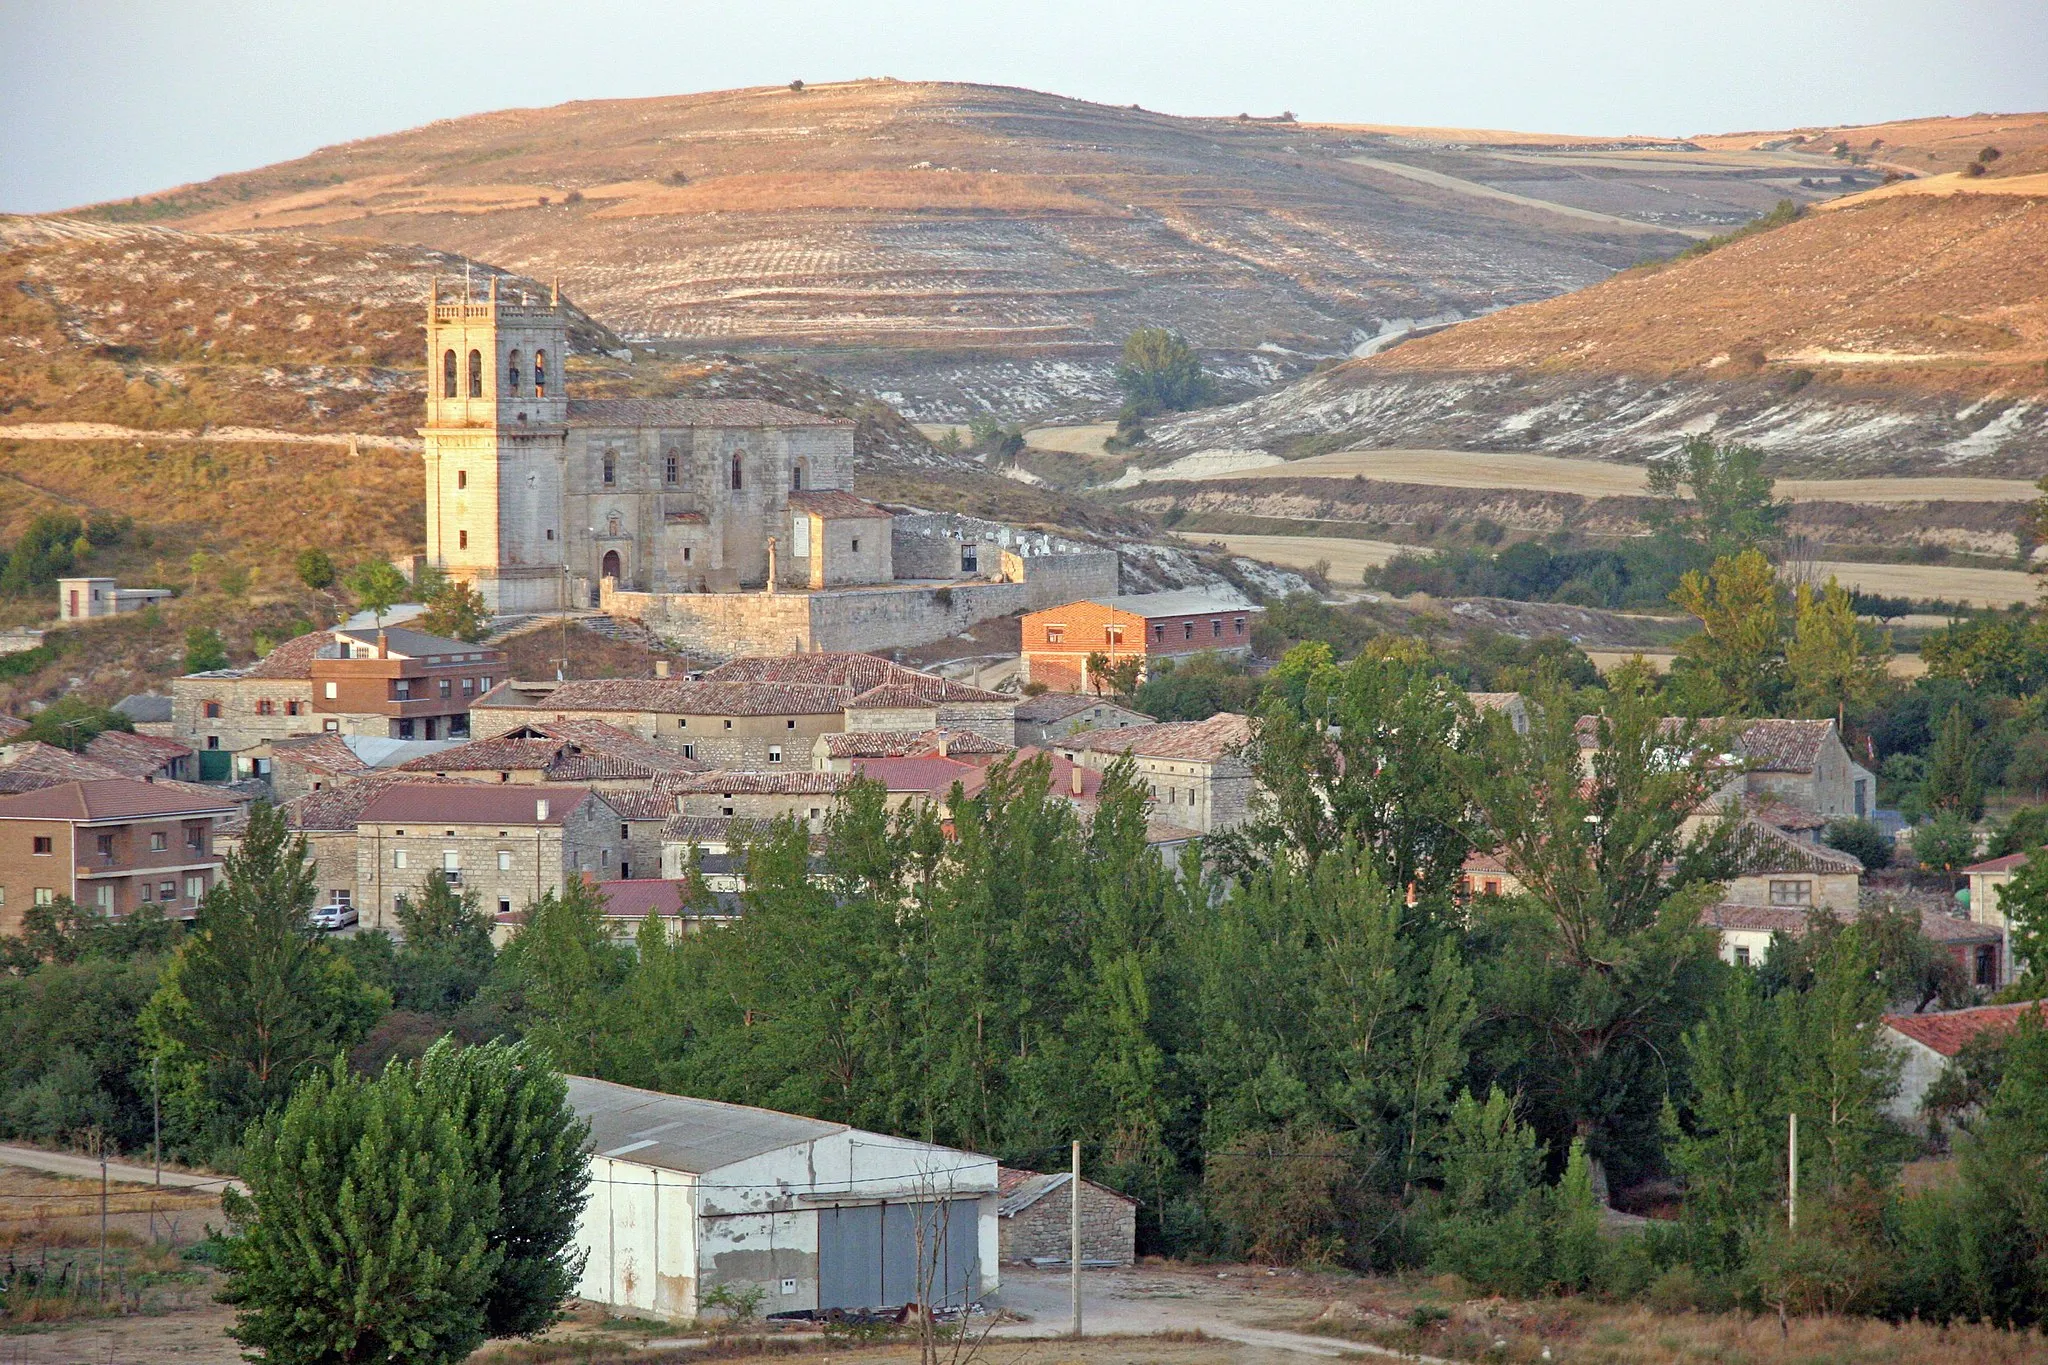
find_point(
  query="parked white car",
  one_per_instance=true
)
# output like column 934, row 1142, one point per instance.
column 334, row 916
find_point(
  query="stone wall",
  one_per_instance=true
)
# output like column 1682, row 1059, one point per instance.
column 1043, row 1231
column 1053, row 579
column 240, row 724
column 538, row 856
column 716, row 626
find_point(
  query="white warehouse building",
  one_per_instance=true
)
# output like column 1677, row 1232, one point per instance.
column 688, row 1196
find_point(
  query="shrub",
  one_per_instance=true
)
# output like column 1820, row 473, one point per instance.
column 1277, row 1192
column 204, row 650
column 1862, row 838
column 315, row 567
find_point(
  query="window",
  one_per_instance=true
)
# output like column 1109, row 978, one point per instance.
column 551, row 533
column 1055, row 635
column 796, row 478
column 789, row 724
column 340, row 895
column 1742, row 957
column 727, row 810
column 856, row 544
column 195, row 838
column 483, row 684
column 195, row 888
column 728, row 724
column 265, row 707
column 451, row 861
column 1239, row 625
column 1792, row 893
column 611, row 469
column 469, row 687
column 1862, row 798
column 1187, row 630
column 775, row 753
column 331, row 691
column 686, row 554
column 689, row 751
column 540, row 374
column 625, row 833
column 398, row 858
column 737, row 480
column 148, row 891
column 448, row 375
column 295, row 707
column 331, row 726
column 158, row 842
column 476, row 374
column 212, row 709
column 512, row 373
column 447, row 688
column 671, row 467
column 682, row 722
column 1216, row 627
column 462, row 478
column 103, row 896
column 1987, row 964
column 1159, row 635
column 44, row 844
column 405, row 729
column 504, row 860
column 166, row 891
column 45, row 896
column 1112, row 635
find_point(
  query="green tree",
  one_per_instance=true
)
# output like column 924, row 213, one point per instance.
column 1119, row 677
column 1731, row 509
column 315, row 568
column 366, row 1234
column 72, row 723
column 458, row 611
column 558, row 976
column 42, row 555
column 2024, row 901
column 1862, row 838
column 1735, row 664
column 377, row 586
column 234, row 578
column 447, row 953
column 1160, row 372
column 511, row 1107
column 252, row 994
column 1730, row 1146
column 1945, row 843
column 1835, row 664
column 204, row 650
column 1954, row 780
column 1841, row 1074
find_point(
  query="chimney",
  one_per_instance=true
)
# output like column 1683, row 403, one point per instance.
column 540, row 809
column 494, row 291
column 1075, row 769
column 661, row 668
column 945, row 744
column 383, row 644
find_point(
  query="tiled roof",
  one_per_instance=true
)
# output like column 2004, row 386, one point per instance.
column 691, row 412
column 408, row 643
column 599, row 737
column 1943, row 927
column 1947, row 1031
column 834, row 504
column 1788, row 816
column 836, row 669
column 641, row 805
column 1198, row 741
column 341, row 807
column 1766, row 919
column 1159, row 832
column 933, row 776
column 709, row 829
column 140, row 707
column 10, row 726
column 112, row 798
column 673, row 696
column 484, row 755
column 324, row 753
column 734, row 782
column 292, row 659
column 33, row 766
column 1186, row 602
column 1784, row 745
column 135, row 755
column 1047, row 707
column 641, row 897
column 920, row 690
column 1493, row 701
column 909, row 743
column 1485, row 863
column 1761, row 849
column 473, row 803
column 2011, row 862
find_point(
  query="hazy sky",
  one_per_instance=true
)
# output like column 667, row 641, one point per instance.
column 107, row 98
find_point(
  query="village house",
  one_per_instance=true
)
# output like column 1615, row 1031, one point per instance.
column 1775, row 869
column 1988, row 881
column 511, row 845
column 1509, row 704
column 835, row 753
column 400, row 683
column 1195, row 771
column 1927, row 1043
column 1052, row 716
column 326, row 819
column 87, row 599
column 311, row 763
column 629, row 904
column 1746, row 933
column 1035, row 1220
column 689, row 1197
column 804, row 795
column 1791, row 768
column 225, row 711
column 111, row 844
column 591, row 753
column 1057, row 642
column 883, row 695
column 739, row 725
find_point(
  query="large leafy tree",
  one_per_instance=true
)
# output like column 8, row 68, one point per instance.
column 456, row 610
column 1729, row 507
column 367, row 1232
column 447, row 954
column 253, row 994
column 1160, row 372
column 558, row 977
column 1735, row 664
column 1836, row 663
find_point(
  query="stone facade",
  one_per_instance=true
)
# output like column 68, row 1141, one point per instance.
column 509, row 860
column 1195, row 771
column 1035, row 1220
column 1056, row 715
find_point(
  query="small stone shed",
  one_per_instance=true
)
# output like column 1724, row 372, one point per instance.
column 1034, row 1212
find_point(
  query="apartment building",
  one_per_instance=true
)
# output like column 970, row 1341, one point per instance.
column 1058, row 642
column 114, row 844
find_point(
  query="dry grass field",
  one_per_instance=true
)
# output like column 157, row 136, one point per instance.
column 1347, row 559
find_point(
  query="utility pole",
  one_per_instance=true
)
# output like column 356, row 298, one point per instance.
column 1792, row 1177
column 103, row 1218
column 1074, row 1236
column 156, row 1123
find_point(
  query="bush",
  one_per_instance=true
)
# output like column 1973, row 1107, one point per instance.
column 1862, row 838
column 315, row 568
column 1945, row 843
column 1277, row 1193
column 204, row 650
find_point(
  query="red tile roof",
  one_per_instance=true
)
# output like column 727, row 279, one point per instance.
column 11, row 726
column 33, row 766
column 641, row 897
column 1946, row 928
column 1199, row 741
column 920, row 690
column 1761, row 849
column 1047, row 707
column 473, row 803
column 1766, row 919
column 1787, row 816
column 340, row 807
column 112, row 798
column 733, row 782
column 640, row 805
column 292, row 659
column 835, row 669
column 709, row 829
column 322, row 753
column 910, row 744
column 1946, row 1032
column 2011, row 862
column 933, row 776
column 1784, row 745
column 671, row 696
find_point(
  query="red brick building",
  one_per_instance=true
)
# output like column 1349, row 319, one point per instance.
column 112, row 844
column 1058, row 642
column 404, row 683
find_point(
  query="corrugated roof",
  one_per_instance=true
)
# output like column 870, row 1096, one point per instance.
column 677, row 1133
column 473, row 803
column 1185, row 602
column 1947, row 1031
column 691, row 412
column 111, row 798
column 834, row 504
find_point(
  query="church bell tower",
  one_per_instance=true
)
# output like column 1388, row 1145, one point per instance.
column 495, row 444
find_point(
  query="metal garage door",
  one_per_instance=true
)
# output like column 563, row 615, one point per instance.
column 868, row 1254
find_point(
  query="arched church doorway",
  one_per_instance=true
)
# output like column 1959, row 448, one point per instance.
column 611, row 563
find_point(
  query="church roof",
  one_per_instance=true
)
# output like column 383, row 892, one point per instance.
column 833, row 504
column 691, row 412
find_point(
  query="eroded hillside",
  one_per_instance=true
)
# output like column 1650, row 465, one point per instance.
column 956, row 246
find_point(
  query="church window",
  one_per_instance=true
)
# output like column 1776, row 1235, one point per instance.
column 796, row 478
column 512, row 374
column 670, row 468
column 611, row 468
column 551, row 533
column 462, row 478
column 737, row 481
column 856, row 544
column 686, row 554
column 462, row 540
column 476, row 374
column 540, row 374
column 448, row 375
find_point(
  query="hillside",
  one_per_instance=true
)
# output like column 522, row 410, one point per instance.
column 1902, row 331
column 957, row 246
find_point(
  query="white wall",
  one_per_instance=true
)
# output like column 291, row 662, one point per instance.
column 640, row 1232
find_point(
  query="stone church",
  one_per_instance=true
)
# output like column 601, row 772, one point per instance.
column 542, row 500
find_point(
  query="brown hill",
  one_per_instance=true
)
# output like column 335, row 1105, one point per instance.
column 990, row 245
column 1905, row 330
column 1922, row 146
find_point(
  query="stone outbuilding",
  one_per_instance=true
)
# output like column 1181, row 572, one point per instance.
column 1927, row 1043
column 1034, row 1220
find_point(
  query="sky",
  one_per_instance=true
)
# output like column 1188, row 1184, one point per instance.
column 104, row 99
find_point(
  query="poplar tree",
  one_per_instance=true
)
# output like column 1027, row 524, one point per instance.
column 1834, row 663
column 1735, row 664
